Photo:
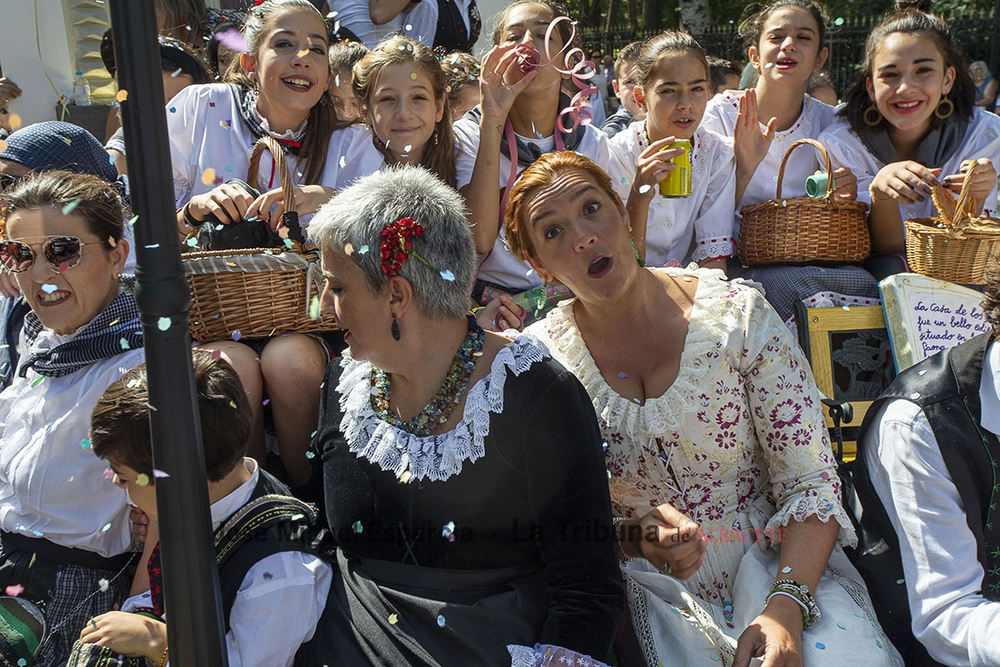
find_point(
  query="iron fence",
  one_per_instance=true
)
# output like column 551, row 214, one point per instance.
column 977, row 35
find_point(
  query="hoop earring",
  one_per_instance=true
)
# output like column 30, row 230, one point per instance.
column 945, row 102
column 395, row 328
column 872, row 116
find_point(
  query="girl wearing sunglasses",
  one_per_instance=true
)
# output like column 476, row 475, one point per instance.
column 62, row 242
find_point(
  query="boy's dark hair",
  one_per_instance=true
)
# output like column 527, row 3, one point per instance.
column 719, row 69
column 628, row 55
column 119, row 423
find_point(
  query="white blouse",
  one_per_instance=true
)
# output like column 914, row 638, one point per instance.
column 206, row 132
column 720, row 117
column 695, row 228
column 982, row 139
column 51, row 484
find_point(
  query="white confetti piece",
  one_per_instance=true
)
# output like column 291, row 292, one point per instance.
column 163, row 323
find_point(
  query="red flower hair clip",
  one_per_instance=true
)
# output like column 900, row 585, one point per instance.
column 397, row 245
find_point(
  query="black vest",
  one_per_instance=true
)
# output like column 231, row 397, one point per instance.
column 946, row 388
column 271, row 522
column 451, row 33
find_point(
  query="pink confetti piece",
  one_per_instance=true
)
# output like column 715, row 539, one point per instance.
column 216, row 354
column 109, row 473
column 14, row 590
column 232, row 39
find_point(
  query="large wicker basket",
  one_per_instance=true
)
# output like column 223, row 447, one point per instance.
column 804, row 230
column 955, row 247
column 258, row 292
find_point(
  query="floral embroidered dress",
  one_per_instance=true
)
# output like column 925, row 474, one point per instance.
column 737, row 443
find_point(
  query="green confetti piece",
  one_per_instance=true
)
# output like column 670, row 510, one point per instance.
column 106, row 527
column 314, row 308
column 289, row 244
column 85, row 444
column 37, row 381
column 357, row 527
column 70, row 207
column 163, row 323
column 124, row 344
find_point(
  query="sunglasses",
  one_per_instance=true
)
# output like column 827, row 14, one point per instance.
column 62, row 252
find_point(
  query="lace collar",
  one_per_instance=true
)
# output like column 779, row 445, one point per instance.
column 663, row 413
column 435, row 457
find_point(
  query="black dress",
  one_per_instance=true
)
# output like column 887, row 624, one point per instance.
column 451, row 547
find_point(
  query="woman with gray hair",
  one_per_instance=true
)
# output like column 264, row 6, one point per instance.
column 986, row 85
column 466, row 491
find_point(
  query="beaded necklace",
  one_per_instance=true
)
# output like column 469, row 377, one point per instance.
column 448, row 395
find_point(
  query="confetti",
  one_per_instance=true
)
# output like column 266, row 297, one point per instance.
column 14, row 590
column 106, row 527
column 405, row 477
column 172, row 109
column 159, row 474
column 233, row 405
column 786, row 570
column 393, row 619
column 152, row 246
column 314, row 308
column 289, row 244
column 69, row 142
column 448, row 275
column 410, row 27
column 820, row 645
column 624, row 181
column 407, row 148
column 37, row 533
column 528, row 272
column 362, row 250
column 336, row 81
column 838, row 21
column 109, row 473
column 208, row 176
column 124, row 343
column 604, row 446
column 413, row 76
column 3, row 146
column 163, row 323
column 63, row 267
column 232, row 39
column 900, row 581
column 447, row 530
column 302, row 54
column 841, row 626
column 48, row 288
column 103, row 584
column 224, row 124
column 622, row 375
column 236, row 335
column 112, row 242
column 348, row 249
column 191, row 241
column 15, row 121
column 266, row 401
column 177, row 72
column 37, row 381
column 643, row 189
column 70, row 207
column 134, row 219
column 441, row 621
column 121, row 96
column 357, row 527
column 310, row 455
column 85, row 444
column 343, row 162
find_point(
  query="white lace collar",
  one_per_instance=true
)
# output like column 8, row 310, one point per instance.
column 435, row 457
column 663, row 413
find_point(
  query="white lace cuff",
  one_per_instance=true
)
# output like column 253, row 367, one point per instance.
column 546, row 655
column 824, row 506
column 715, row 247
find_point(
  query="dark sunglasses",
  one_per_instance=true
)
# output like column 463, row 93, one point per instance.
column 62, row 252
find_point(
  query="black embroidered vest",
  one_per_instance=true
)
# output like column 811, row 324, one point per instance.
column 946, row 388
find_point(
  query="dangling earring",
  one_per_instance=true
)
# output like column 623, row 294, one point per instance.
column 378, row 142
column 872, row 116
column 435, row 137
column 395, row 328
column 945, row 102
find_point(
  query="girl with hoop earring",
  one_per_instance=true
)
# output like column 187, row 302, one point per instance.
column 909, row 123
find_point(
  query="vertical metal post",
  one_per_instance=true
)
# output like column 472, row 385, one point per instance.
column 196, row 634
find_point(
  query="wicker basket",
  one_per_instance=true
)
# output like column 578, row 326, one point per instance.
column 803, row 230
column 259, row 292
column 955, row 249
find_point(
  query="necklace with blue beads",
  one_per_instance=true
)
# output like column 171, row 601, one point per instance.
column 448, row 395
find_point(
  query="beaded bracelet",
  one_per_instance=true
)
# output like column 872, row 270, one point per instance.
column 800, row 593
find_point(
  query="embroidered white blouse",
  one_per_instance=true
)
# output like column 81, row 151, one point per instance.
column 737, row 442
column 695, row 228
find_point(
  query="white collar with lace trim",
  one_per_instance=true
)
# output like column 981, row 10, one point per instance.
column 661, row 413
column 435, row 457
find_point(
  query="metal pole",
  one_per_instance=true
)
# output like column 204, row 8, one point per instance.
column 195, row 632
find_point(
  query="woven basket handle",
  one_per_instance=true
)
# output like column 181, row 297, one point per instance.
column 270, row 143
column 966, row 204
column 826, row 160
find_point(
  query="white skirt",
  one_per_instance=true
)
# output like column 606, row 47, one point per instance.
column 675, row 627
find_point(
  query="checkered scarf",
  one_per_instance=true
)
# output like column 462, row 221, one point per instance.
column 113, row 331
column 246, row 101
